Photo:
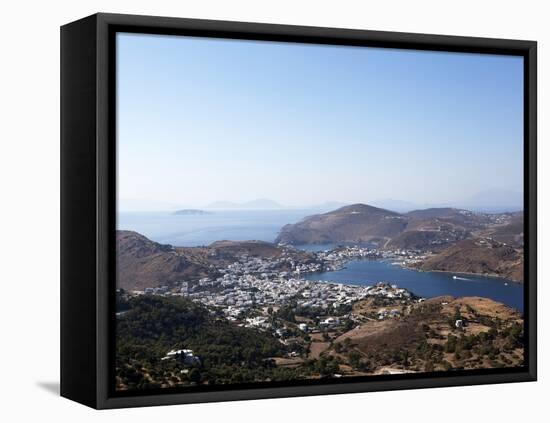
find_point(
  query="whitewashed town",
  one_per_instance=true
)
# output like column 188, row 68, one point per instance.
column 254, row 283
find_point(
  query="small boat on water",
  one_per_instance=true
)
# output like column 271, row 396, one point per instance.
column 454, row 277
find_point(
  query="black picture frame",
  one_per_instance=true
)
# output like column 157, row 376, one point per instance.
column 88, row 201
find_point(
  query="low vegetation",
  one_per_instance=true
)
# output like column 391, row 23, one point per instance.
column 436, row 335
column 154, row 325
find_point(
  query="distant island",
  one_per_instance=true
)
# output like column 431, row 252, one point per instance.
column 191, row 212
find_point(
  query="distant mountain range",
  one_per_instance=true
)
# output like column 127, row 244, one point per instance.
column 141, row 205
column 488, row 201
column 259, row 204
column 396, row 205
column 495, row 200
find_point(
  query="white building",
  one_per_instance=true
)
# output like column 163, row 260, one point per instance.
column 185, row 355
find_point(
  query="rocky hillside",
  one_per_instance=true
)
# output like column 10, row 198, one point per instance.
column 479, row 256
column 426, row 338
column 355, row 223
column 143, row 263
column 509, row 231
column 437, row 228
column 419, row 229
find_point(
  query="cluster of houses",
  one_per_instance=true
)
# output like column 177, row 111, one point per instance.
column 336, row 259
column 349, row 252
column 385, row 313
column 253, row 283
column 258, row 322
column 269, row 267
column 328, row 323
column 158, row 290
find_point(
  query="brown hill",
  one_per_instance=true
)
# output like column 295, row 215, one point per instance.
column 426, row 239
column 510, row 231
column 426, row 337
column 355, row 223
column 479, row 256
column 143, row 263
column 432, row 228
column 237, row 248
column 459, row 215
column 446, row 218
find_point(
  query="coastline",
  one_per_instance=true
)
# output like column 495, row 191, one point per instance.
column 427, row 284
column 485, row 275
column 408, row 267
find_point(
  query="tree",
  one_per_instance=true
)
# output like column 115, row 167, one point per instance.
column 429, row 366
column 347, row 343
column 194, row 375
column 354, row 359
column 450, row 346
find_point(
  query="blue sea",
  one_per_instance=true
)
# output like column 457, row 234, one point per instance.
column 426, row 284
column 195, row 230
column 264, row 225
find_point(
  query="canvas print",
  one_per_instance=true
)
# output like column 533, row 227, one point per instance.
column 298, row 213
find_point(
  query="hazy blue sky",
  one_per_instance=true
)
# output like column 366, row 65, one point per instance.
column 203, row 120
